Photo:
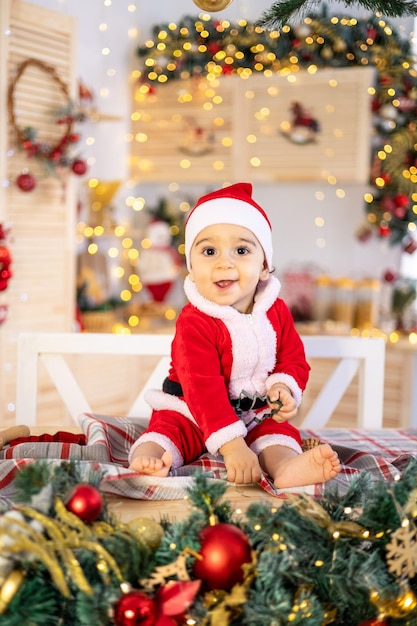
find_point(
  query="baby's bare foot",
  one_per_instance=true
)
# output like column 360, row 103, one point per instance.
column 317, row 465
column 152, row 465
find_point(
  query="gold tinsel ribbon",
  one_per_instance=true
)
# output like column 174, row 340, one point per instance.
column 55, row 545
column 309, row 508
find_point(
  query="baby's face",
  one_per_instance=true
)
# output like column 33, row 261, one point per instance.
column 227, row 263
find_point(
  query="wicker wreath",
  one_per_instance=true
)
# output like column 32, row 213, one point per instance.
column 48, row 151
column 55, row 155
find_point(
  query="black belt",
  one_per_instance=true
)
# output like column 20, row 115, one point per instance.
column 242, row 404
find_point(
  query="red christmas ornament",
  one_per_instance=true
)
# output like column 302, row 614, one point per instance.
column 176, row 597
column 384, row 230
column 79, row 167
column 26, row 182
column 374, row 622
column 135, row 609
column 400, row 212
column 86, row 502
column 388, row 204
column 402, row 200
column 390, row 276
column 5, row 271
column 5, row 261
column 224, row 549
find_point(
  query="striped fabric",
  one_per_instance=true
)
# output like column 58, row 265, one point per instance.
column 382, row 453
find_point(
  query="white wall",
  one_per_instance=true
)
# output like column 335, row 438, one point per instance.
column 293, row 208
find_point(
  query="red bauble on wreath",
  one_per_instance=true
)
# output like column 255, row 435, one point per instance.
column 224, row 548
column 26, row 182
column 79, row 167
column 85, row 502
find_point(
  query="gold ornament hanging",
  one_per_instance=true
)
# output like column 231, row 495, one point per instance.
column 212, row 5
column 148, row 530
column 397, row 607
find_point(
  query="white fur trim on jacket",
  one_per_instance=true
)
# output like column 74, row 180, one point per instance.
column 275, row 440
column 266, row 294
column 287, row 380
column 224, row 435
column 159, row 401
column 252, row 336
column 164, row 442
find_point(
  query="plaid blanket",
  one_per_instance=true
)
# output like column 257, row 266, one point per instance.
column 106, row 442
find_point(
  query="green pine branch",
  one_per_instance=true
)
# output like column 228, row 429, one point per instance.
column 305, row 574
column 283, row 11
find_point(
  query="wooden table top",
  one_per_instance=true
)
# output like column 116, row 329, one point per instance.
column 239, row 497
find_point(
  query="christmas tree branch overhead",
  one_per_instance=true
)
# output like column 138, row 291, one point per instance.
column 281, row 12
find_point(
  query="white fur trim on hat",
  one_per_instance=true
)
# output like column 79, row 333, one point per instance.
column 226, row 210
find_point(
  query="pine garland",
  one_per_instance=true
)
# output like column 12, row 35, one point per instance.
column 341, row 559
column 284, row 11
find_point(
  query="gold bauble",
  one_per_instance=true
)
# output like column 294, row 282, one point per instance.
column 148, row 531
column 402, row 606
column 212, row 5
column 397, row 607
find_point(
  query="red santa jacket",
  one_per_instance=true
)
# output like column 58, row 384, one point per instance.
column 219, row 353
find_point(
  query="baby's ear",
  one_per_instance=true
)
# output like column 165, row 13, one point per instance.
column 264, row 274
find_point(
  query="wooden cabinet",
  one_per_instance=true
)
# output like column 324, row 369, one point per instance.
column 231, row 128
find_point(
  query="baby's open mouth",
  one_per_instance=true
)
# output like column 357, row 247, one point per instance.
column 223, row 284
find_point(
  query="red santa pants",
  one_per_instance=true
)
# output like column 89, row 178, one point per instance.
column 188, row 438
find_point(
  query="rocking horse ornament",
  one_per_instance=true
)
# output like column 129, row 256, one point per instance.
column 303, row 127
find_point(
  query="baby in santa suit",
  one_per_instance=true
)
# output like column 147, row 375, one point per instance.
column 238, row 367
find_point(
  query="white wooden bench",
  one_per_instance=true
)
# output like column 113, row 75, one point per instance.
column 353, row 354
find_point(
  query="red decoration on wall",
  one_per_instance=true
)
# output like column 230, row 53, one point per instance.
column 79, row 167
column 5, row 260
column 26, row 182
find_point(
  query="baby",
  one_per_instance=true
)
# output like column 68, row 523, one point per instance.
column 238, row 367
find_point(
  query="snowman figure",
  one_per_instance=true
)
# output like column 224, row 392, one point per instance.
column 160, row 264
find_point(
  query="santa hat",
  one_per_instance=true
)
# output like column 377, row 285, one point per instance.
column 231, row 205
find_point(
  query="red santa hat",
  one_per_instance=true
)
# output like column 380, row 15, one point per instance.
column 231, row 205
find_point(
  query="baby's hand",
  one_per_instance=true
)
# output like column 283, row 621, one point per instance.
column 281, row 402
column 241, row 462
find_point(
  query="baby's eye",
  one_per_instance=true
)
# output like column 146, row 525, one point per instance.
column 242, row 250
column 209, row 251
